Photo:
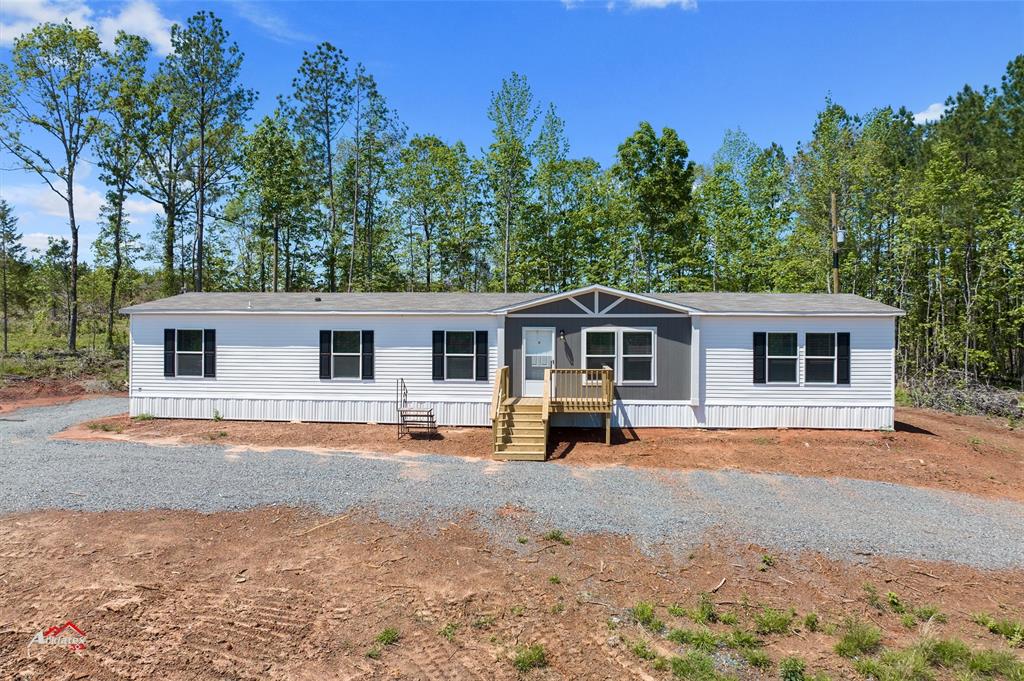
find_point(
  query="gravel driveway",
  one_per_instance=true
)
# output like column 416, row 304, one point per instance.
column 841, row 517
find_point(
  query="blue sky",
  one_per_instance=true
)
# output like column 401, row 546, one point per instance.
column 699, row 67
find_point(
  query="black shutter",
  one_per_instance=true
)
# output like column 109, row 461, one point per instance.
column 209, row 353
column 168, row 352
column 438, row 364
column 481, row 355
column 843, row 358
column 760, row 356
column 367, row 355
column 325, row 354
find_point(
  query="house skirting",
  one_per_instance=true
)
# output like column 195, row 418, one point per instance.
column 628, row 413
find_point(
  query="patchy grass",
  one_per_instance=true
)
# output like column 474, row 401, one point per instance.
column 1011, row 630
column 702, row 639
column 792, row 669
column 772, row 621
column 695, row 666
column 919, row 661
column 767, row 561
column 448, row 631
column 558, row 536
column 555, row 579
column 143, row 417
column 872, row 597
column 925, row 613
column 642, row 650
column 756, row 658
column 643, row 614
column 106, row 427
column 530, row 657
column 388, row 637
column 859, row 638
column 812, row 622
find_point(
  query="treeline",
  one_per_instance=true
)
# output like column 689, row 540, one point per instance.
column 331, row 192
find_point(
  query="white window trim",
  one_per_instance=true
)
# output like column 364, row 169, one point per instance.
column 347, row 354
column 472, row 355
column 834, row 357
column 201, row 353
column 616, row 362
column 768, row 357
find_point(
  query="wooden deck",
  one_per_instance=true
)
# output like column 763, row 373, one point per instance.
column 520, row 424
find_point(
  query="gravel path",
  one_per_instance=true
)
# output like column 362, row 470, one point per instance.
column 842, row 517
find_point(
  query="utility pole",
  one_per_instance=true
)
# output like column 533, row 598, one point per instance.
column 835, row 246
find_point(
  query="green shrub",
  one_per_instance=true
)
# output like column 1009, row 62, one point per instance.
column 895, row 604
column 530, row 657
column 771, row 621
column 859, row 638
column 792, row 669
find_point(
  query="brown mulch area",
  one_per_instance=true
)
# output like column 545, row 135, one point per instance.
column 287, row 594
column 931, row 449
column 20, row 393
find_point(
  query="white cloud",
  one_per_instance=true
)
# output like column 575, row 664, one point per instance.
column 40, row 200
column 274, row 25
column 37, row 241
column 662, row 4
column 931, row 114
column 141, row 17
column 611, row 5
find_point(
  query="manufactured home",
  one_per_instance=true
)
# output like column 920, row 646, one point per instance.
column 518, row 362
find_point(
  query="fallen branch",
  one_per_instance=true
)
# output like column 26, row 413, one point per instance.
column 720, row 584
column 325, row 524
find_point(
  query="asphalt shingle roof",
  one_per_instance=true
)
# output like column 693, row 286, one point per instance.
column 711, row 302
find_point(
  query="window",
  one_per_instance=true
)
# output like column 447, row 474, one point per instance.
column 459, row 355
column 820, row 360
column 599, row 349
column 637, row 356
column 188, row 352
column 629, row 353
column 782, row 355
column 346, row 354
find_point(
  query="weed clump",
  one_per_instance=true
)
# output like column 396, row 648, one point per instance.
column 859, row 638
column 530, row 657
column 558, row 536
column 643, row 614
column 1012, row 631
column 772, row 621
column 792, row 669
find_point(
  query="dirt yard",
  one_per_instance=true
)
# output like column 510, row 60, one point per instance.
column 285, row 594
column 927, row 449
column 19, row 393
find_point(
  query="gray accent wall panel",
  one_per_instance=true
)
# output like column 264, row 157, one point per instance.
column 673, row 356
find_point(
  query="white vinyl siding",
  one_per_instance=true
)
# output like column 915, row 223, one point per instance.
column 267, row 356
column 726, row 346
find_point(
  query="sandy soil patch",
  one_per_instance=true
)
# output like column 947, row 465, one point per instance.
column 927, row 449
column 279, row 593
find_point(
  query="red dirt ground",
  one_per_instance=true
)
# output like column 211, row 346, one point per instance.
column 19, row 393
column 286, row 594
column 927, row 449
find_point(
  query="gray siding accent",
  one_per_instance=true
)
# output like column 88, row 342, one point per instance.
column 606, row 299
column 562, row 307
column 673, row 355
column 630, row 306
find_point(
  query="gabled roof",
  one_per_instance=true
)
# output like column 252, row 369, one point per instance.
column 704, row 303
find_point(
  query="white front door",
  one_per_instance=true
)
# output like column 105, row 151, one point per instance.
column 538, row 355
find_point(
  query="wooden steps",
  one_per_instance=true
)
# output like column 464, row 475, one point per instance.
column 520, row 431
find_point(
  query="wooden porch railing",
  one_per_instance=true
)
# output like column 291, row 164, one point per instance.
column 584, row 388
column 500, row 391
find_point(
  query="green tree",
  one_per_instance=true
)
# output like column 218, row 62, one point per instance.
column 656, row 177
column 512, row 114
column 321, row 100
column 115, row 249
column 54, row 90
column 12, row 264
column 117, row 151
column 203, row 72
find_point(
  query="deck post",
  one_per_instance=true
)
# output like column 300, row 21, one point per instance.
column 608, row 428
